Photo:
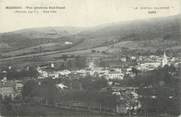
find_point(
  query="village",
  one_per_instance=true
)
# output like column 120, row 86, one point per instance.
column 98, row 78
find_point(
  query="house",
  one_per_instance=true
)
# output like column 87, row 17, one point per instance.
column 7, row 89
column 7, row 92
column 18, row 87
column 81, row 72
column 120, row 108
column 68, row 43
column 148, row 66
column 10, row 88
column 64, row 72
column 43, row 74
column 115, row 75
column 61, row 86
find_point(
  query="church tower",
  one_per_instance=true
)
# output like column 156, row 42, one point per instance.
column 164, row 60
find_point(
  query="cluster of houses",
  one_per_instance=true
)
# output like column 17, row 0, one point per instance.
column 108, row 73
column 10, row 89
column 13, row 88
column 143, row 64
column 152, row 62
column 128, row 99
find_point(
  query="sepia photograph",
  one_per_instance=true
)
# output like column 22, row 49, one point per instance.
column 90, row 58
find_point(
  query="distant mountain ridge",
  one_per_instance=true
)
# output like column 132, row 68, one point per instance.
column 162, row 31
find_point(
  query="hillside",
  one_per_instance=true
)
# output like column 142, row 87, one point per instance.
column 159, row 33
column 152, row 34
column 34, row 37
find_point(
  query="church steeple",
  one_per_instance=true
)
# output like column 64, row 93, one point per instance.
column 164, row 60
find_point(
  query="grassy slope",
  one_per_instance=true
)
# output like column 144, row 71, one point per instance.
column 149, row 34
column 46, row 111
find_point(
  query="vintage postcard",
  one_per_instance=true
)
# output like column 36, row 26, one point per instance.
column 90, row 58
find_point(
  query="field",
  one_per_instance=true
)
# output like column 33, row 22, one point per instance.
column 48, row 111
column 145, row 36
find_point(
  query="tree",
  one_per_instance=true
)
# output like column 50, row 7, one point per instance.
column 29, row 89
column 102, row 63
column 80, row 62
column 135, row 71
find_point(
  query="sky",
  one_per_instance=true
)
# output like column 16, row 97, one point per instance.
column 81, row 13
